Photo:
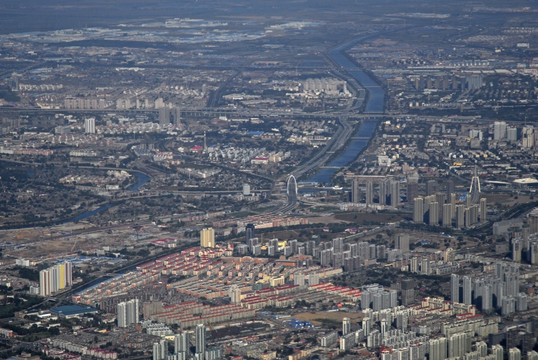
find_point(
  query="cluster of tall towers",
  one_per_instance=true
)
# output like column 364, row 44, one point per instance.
column 438, row 210
column 445, row 209
column 380, row 190
column 497, row 290
column 128, row 313
column 55, row 278
column 182, row 347
column 207, row 237
column 350, row 256
column 504, row 132
column 89, row 125
column 169, row 116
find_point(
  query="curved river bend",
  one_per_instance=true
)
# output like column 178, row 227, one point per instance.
column 141, row 179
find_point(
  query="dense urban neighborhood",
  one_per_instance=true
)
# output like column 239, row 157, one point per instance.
column 269, row 180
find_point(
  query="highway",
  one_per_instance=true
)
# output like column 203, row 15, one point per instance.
column 337, row 142
column 356, row 78
column 185, row 112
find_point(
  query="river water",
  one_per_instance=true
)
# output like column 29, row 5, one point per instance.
column 356, row 146
column 374, row 105
column 141, row 179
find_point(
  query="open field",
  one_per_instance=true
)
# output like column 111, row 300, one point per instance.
column 329, row 318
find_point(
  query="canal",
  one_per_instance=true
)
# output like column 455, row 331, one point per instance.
column 374, row 105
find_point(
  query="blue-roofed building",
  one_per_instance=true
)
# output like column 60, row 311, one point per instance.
column 71, row 311
column 296, row 324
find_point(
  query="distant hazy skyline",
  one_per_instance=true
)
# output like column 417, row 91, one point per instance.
column 37, row 15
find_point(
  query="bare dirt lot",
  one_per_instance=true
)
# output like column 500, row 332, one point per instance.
column 329, row 318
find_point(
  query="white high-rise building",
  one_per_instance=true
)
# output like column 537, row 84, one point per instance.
column 121, row 314
column 182, row 343
column 89, row 126
column 418, row 210
column 499, row 130
column 55, row 278
column 511, row 134
column 200, row 341
column 434, row 213
column 128, row 313
column 235, row 294
column 498, row 351
column 164, row 117
column 160, row 350
column 402, row 242
column 385, row 326
column 438, row 349
column 355, row 191
column 482, row 348
column 395, row 193
column 455, row 288
column 44, row 283
column 457, row 345
column 133, row 316
column 366, row 325
column 447, row 215
column 514, row 354
column 346, row 326
column 369, row 193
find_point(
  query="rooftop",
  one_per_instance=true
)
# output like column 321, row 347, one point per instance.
column 69, row 310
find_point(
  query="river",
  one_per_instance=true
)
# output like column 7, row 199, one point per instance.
column 374, row 105
column 356, row 146
column 141, row 179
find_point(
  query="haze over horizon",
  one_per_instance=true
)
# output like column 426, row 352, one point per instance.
column 34, row 15
column 269, row 179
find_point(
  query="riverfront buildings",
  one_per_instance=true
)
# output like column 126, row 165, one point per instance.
column 251, row 115
column 375, row 190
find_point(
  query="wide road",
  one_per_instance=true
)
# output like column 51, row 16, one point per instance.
column 337, row 142
column 373, row 108
column 206, row 112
